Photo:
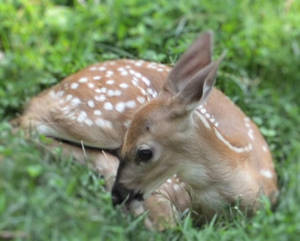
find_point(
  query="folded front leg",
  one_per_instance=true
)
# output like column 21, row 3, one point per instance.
column 165, row 206
column 98, row 160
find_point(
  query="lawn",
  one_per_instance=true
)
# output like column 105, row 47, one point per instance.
column 44, row 196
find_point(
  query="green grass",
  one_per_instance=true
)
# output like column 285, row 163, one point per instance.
column 46, row 197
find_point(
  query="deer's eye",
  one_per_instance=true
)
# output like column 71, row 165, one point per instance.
column 144, row 153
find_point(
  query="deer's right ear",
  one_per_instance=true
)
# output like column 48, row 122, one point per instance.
column 197, row 57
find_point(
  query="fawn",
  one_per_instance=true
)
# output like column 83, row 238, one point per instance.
column 182, row 143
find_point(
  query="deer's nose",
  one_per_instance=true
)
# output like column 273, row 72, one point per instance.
column 121, row 194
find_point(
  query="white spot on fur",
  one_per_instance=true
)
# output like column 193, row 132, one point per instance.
column 75, row 101
column 203, row 120
column 108, row 106
column 176, row 187
column 146, row 81
column 139, row 63
column 102, row 68
column 93, row 68
column 141, row 99
column 100, row 98
column 83, row 80
column 124, row 73
column 60, row 93
column 150, row 91
column 118, row 92
column 110, row 92
column 97, row 112
column 250, row 134
column 265, row 149
column 109, row 73
column 154, row 94
column 103, row 90
column 97, row 77
column 89, row 122
column 127, row 123
column 124, row 85
column 114, row 92
column 103, row 123
column 134, row 82
column 120, row 107
column 52, row 94
column 266, row 173
column 248, row 148
column 74, row 86
column 142, row 91
column 91, row 103
column 138, row 74
column 130, row 104
column 69, row 97
column 203, row 111
column 248, row 126
column 82, row 116
column 132, row 72
column 120, row 69
column 110, row 82
column 91, row 85
column 71, row 116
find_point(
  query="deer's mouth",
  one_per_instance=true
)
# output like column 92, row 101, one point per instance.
column 122, row 195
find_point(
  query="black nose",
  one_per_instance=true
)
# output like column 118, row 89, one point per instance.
column 121, row 194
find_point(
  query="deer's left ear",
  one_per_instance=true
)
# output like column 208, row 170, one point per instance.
column 197, row 89
column 194, row 59
column 199, row 86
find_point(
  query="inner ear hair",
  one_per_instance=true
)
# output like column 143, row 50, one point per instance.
column 198, row 88
column 198, row 55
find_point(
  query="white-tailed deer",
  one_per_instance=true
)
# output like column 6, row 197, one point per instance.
column 194, row 132
column 88, row 113
column 190, row 147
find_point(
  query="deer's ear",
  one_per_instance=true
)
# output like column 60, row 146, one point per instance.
column 194, row 59
column 198, row 88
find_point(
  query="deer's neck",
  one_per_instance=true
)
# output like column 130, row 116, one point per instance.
column 195, row 164
column 210, row 173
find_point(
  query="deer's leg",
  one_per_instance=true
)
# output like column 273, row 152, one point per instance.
column 101, row 161
column 165, row 205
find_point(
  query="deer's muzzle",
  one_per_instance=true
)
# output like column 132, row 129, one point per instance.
column 121, row 194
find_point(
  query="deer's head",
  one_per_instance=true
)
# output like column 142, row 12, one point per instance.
column 160, row 137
